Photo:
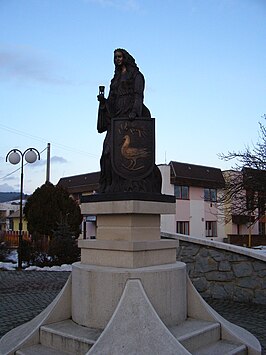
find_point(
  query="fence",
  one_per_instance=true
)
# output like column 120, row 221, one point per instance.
column 245, row 240
column 12, row 238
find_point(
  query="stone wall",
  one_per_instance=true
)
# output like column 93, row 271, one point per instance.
column 223, row 271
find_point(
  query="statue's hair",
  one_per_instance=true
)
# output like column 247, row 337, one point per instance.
column 132, row 68
column 128, row 59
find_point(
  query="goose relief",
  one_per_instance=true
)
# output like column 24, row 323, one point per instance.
column 132, row 154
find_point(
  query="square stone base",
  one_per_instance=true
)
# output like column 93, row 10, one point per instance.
column 127, row 234
column 127, row 254
column 127, row 206
column 128, row 219
column 128, row 227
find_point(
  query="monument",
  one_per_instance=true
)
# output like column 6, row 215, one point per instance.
column 128, row 159
column 128, row 294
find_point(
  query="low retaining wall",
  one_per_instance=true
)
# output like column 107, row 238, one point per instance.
column 223, row 271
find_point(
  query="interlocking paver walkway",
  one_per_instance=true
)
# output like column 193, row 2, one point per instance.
column 24, row 294
column 249, row 316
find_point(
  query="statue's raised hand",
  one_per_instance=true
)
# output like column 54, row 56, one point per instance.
column 101, row 98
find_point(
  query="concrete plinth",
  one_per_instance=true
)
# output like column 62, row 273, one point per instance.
column 128, row 227
column 97, row 290
column 128, row 234
column 127, row 254
column 128, row 206
column 128, row 220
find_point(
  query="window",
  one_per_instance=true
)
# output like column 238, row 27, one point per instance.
column 182, row 227
column 211, row 229
column 210, row 195
column 182, row 192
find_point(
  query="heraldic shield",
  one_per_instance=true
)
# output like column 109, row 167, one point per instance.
column 133, row 147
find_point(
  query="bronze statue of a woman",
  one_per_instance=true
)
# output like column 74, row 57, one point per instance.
column 125, row 101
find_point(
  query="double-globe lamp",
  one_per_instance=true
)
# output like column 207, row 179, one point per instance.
column 15, row 156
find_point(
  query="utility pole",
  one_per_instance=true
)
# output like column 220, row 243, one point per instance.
column 48, row 163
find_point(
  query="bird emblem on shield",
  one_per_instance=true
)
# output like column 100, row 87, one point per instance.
column 133, row 147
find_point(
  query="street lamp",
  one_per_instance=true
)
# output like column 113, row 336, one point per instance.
column 14, row 156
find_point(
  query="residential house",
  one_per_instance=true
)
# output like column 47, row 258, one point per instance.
column 244, row 207
column 196, row 189
column 6, row 209
column 10, row 217
column 14, row 219
column 78, row 186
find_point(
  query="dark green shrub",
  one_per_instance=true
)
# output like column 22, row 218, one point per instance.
column 63, row 247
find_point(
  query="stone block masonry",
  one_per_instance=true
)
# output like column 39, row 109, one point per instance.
column 220, row 271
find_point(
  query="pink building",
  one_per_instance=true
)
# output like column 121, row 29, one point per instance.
column 196, row 189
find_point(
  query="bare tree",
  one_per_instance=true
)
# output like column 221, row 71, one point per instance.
column 244, row 196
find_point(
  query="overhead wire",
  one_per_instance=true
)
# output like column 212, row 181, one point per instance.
column 62, row 146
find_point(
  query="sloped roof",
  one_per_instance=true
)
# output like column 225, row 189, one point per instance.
column 80, row 183
column 196, row 175
column 254, row 179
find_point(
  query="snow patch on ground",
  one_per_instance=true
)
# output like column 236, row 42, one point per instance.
column 63, row 267
column 10, row 266
column 11, row 263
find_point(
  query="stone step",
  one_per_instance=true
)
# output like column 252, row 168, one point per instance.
column 204, row 338
column 222, row 347
column 197, row 336
column 69, row 337
column 195, row 333
column 39, row 350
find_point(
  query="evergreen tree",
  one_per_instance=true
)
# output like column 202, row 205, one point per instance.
column 63, row 248
column 50, row 206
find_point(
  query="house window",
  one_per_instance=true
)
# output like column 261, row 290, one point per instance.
column 182, row 192
column 182, row 227
column 210, row 195
column 211, row 229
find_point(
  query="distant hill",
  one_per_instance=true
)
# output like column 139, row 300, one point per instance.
column 11, row 196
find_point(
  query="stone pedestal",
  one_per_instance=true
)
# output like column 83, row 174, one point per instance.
column 127, row 246
column 128, row 234
column 97, row 290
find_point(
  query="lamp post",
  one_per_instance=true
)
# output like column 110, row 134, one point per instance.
column 15, row 156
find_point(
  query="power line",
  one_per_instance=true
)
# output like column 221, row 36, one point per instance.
column 62, row 146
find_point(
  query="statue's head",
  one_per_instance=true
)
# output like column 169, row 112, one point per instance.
column 121, row 56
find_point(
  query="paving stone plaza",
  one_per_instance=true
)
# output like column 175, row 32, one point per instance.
column 24, row 294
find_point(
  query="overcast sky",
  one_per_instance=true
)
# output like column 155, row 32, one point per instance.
column 203, row 62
